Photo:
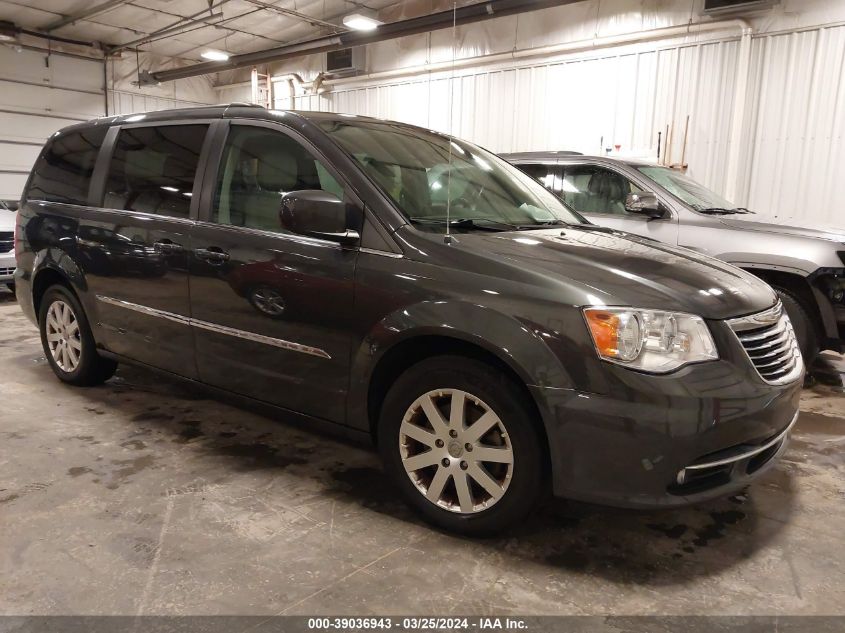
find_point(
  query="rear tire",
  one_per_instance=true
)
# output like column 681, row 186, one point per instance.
column 802, row 323
column 67, row 340
column 454, row 478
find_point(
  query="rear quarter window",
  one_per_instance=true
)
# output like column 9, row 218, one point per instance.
column 63, row 171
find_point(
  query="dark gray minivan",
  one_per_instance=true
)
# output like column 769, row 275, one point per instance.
column 414, row 289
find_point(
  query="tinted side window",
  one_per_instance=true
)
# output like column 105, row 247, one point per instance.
column 152, row 169
column 547, row 175
column 63, row 171
column 259, row 166
column 591, row 189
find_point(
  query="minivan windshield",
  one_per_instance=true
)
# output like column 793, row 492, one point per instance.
column 430, row 176
column 689, row 191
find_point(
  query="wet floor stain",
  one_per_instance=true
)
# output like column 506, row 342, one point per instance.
column 151, row 415
column 259, row 456
column 134, row 445
column 187, row 434
column 673, row 531
column 717, row 527
column 370, row 487
column 76, row 471
column 572, row 559
column 127, row 468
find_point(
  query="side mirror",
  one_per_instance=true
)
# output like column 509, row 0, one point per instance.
column 644, row 203
column 318, row 214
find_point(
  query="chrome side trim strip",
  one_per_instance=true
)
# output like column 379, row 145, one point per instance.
column 744, row 455
column 170, row 316
column 259, row 338
column 373, row 251
column 214, row 327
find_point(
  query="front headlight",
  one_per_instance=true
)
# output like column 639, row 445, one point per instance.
column 650, row 340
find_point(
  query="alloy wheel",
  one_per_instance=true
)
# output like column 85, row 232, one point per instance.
column 63, row 337
column 268, row 301
column 456, row 450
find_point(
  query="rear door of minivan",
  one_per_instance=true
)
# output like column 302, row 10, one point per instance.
column 272, row 310
column 134, row 249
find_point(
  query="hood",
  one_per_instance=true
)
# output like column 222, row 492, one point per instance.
column 781, row 227
column 615, row 268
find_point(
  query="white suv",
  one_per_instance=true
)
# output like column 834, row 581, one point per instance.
column 7, row 243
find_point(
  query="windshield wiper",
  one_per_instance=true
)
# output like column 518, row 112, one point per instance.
column 723, row 211
column 580, row 226
column 481, row 224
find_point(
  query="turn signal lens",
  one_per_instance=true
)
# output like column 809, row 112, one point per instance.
column 650, row 340
column 616, row 334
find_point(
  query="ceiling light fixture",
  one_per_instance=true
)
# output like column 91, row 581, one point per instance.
column 215, row 56
column 361, row 21
column 8, row 31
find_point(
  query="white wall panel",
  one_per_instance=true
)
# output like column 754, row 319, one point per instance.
column 39, row 95
column 618, row 97
column 794, row 133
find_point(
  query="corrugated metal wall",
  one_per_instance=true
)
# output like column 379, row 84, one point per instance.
column 125, row 102
column 794, row 155
column 792, row 144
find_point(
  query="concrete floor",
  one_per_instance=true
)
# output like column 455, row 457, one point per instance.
column 146, row 497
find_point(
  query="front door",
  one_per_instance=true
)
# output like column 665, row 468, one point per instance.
column 271, row 310
column 134, row 250
column 599, row 193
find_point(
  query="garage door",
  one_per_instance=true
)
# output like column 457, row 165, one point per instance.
column 36, row 99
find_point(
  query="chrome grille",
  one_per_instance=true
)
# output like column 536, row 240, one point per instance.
column 770, row 343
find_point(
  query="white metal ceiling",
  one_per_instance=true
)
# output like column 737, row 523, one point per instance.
column 245, row 25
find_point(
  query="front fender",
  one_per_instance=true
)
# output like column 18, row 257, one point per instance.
column 517, row 344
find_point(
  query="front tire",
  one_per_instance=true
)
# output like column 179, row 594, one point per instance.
column 458, row 438
column 802, row 323
column 67, row 340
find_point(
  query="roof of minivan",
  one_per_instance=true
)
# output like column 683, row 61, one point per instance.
column 225, row 110
column 573, row 157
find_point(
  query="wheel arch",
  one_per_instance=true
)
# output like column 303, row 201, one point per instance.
column 43, row 279
column 412, row 350
column 797, row 285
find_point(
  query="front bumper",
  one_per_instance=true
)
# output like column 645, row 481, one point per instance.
column 7, row 267
column 654, row 441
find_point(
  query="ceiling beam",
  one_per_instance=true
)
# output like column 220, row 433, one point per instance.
column 84, row 14
column 296, row 14
column 174, row 27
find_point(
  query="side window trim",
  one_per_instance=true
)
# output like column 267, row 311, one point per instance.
column 44, row 152
column 97, row 189
column 642, row 184
column 216, row 156
column 215, row 146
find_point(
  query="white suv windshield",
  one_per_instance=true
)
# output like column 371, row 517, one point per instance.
column 426, row 174
column 689, row 191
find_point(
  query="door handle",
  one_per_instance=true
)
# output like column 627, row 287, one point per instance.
column 213, row 255
column 166, row 246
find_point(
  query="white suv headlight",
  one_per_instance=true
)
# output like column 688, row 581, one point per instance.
column 650, row 340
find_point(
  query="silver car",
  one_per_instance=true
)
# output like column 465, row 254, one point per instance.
column 805, row 266
column 7, row 243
